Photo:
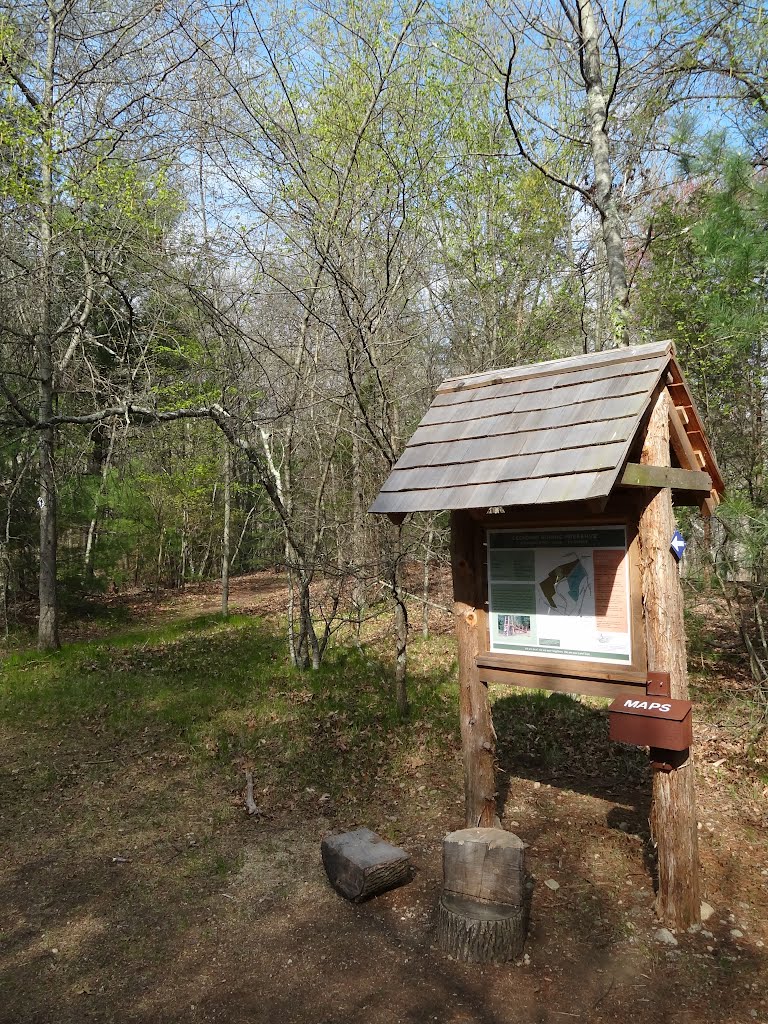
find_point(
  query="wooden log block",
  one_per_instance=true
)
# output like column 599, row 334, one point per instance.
column 360, row 864
column 484, row 864
column 480, row 933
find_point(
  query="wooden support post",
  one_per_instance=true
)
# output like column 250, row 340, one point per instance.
column 478, row 737
column 673, row 810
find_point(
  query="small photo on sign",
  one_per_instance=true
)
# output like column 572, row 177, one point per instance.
column 514, row 625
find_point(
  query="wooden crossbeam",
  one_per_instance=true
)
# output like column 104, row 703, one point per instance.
column 679, row 439
column 636, row 475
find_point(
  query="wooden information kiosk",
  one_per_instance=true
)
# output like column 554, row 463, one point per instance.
column 561, row 479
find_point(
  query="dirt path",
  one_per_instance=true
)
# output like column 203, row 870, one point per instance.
column 133, row 888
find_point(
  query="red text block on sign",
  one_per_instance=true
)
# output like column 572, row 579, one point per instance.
column 610, row 591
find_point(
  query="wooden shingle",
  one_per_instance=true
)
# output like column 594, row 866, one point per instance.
column 551, row 432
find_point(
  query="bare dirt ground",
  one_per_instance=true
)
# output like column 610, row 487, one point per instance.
column 134, row 888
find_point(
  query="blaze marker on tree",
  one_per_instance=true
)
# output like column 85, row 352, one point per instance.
column 678, row 545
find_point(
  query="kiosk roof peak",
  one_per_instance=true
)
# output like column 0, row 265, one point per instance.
column 556, row 431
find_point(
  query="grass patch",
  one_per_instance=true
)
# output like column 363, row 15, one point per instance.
column 223, row 692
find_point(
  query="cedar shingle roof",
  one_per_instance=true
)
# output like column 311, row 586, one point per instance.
column 529, row 435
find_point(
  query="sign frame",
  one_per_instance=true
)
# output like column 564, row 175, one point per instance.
column 550, row 673
column 533, row 589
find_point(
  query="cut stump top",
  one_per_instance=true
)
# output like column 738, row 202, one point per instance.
column 484, row 864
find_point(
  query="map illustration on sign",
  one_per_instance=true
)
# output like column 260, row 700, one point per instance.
column 573, row 573
column 560, row 593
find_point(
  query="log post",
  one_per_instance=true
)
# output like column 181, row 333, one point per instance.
column 482, row 915
column 478, row 737
column 673, row 808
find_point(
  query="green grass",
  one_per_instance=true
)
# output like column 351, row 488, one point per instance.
column 223, row 694
column 223, row 691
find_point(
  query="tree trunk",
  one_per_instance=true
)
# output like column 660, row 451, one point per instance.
column 302, row 640
column 425, row 595
column 251, row 510
column 184, row 549
column 359, row 555
column 480, row 933
column 5, row 584
column 226, row 530
column 478, row 737
column 361, row 864
column 48, row 624
column 401, row 655
column 673, row 812
column 90, row 543
column 604, row 197
column 160, row 552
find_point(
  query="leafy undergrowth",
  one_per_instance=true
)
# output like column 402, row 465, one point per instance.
column 134, row 886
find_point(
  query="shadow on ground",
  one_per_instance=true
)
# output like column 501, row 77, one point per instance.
column 134, row 888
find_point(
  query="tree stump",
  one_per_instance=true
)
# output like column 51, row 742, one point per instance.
column 480, row 933
column 360, row 864
column 482, row 916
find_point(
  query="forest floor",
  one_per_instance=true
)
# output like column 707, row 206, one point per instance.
column 135, row 888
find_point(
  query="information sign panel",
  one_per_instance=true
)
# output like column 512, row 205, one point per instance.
column 560, row 593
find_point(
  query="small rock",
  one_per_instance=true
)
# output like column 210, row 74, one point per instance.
column 737, row 933
column 552, row 884
column 710, row 949
column 537, row 785
column 706, row 934
column 706, row 911
column 694, row 928
column 665, row 935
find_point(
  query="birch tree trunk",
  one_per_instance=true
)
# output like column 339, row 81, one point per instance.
column 225, row 536
column 603, row 193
